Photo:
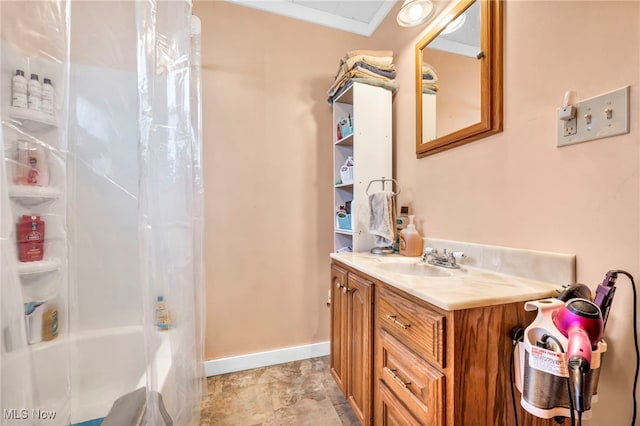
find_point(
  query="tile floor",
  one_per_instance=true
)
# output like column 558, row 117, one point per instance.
column 300, row 393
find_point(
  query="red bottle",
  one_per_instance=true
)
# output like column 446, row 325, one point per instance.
column 31, row 238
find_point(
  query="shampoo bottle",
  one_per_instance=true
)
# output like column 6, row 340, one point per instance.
column 50, row 322
column 410, row 240
column 162, row 315
column 34, row 93
column 19, row 90
column 47, row 96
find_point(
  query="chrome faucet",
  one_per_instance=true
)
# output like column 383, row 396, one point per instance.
column 446, row 260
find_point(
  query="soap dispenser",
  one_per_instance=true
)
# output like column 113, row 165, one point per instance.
column 410, row 240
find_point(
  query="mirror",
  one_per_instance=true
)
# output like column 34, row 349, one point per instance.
column 459, row 77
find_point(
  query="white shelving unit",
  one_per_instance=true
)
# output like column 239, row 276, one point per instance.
column 370, row 146
column 429, row 105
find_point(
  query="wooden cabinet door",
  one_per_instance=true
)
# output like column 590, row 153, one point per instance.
column 359, row 353
column 338, row 352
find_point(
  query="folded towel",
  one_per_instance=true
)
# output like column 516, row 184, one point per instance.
column 346, row 67
column 382, row 223
column 353, row 53
column 356, row 72
column 382, row 62
column 376, row 70
column 429, row 73
column 390, row 85
column 429, row 86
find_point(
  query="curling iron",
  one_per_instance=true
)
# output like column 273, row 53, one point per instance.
column 604, row 294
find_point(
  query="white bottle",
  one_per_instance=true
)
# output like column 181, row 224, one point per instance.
column 34, row 92
column 47, row 96
column 19, row 90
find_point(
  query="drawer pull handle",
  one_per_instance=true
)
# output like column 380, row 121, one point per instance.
column 338, row 284
column 396, row 377
column 398, row 323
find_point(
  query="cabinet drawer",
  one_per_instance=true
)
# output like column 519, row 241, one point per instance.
column 415, row 382
column 391, row 410
column 416, row 326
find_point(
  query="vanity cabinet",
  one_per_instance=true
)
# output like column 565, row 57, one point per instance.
column 427, row 365
column 362, row 126
column 437, row 367
column 352, row 339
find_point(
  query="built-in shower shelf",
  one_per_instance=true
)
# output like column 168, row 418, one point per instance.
column 33, row 195
column 39, row 267
column 35, row 121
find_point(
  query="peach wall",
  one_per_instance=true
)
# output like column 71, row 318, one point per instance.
column 516, row 188
column 267, row 167
column 268, row 172
column 458, row 98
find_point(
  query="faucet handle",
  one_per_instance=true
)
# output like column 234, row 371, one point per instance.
column 458, row 254
column 427, row 251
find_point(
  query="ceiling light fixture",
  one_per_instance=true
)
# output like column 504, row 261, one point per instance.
column 455, row 25
column 415, row 12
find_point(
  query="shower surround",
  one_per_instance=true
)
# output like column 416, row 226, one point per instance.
column 123, row 210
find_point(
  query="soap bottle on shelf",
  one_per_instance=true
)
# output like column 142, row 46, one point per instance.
column 47, row 96
column 161, row 314
column 49, row 322
column 31, row 165
column 19, row 90
column 30, row 238
column 34, row 93
column 410, row 240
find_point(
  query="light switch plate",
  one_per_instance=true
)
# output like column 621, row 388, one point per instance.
column 598, row 117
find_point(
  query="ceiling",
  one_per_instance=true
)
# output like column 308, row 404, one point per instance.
column 356, row 16
column 363, row 17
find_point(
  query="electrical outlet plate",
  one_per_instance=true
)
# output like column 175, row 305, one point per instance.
column 596, row 118
column 569, row 126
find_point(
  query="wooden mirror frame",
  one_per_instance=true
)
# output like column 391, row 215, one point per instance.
column 491, row 35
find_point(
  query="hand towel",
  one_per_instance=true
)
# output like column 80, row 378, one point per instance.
column 382, row 223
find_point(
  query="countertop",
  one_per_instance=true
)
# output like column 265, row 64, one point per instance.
column 465, row 288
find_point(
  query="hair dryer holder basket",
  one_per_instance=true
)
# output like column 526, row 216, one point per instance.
column 541, row 375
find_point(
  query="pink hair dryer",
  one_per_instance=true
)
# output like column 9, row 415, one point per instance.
column 580, row 320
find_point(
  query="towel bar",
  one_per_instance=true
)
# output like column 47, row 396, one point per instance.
column 383, row 180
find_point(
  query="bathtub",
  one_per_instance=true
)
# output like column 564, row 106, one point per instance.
column 102, row 365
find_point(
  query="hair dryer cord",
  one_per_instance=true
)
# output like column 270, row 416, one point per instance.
column 635, row 337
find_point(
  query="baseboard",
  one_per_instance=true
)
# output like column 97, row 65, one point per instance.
column 263, row 359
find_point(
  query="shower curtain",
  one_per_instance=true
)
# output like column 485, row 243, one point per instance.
column 123, row 204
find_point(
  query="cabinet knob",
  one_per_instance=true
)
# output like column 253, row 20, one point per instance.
column 346, row 289
column 338, row 284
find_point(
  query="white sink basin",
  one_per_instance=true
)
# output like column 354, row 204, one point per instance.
column 416, row 269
